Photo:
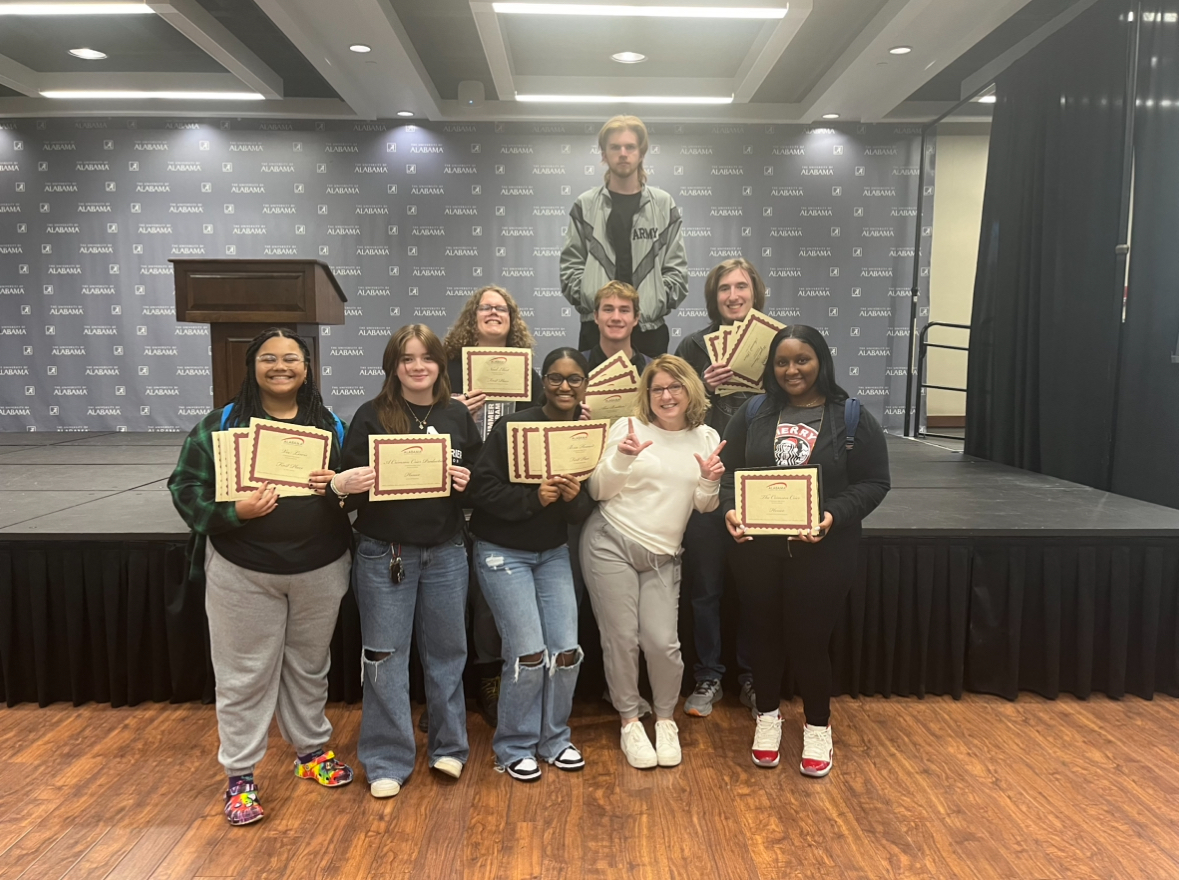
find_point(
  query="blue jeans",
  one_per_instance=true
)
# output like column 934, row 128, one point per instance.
column 432, row 596
column 531, row 595
column 706, row 542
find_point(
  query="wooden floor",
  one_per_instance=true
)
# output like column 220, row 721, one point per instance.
column 932, row 788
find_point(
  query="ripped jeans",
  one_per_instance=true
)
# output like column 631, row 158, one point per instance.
column 531, row 595
column 431, row 600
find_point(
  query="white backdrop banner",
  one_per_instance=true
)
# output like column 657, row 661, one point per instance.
column 412, row 219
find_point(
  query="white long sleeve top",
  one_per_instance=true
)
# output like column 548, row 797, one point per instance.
column 649, row 497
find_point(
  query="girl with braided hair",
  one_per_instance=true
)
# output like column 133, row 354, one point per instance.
column 275, row 572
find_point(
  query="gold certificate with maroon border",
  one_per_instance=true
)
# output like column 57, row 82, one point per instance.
column 409, row 466
column 573, row 448
column 284, row 455
column 750, row 349
column 780, row 501
column 525, row 451
column 501, row 374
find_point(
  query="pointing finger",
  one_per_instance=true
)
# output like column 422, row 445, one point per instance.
column 717, row 451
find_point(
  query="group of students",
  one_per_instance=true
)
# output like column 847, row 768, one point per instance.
column 660, row 501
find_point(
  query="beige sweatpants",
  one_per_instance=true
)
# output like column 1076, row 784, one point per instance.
column 636, row 596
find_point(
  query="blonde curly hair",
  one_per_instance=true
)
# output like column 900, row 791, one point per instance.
column 465, row 331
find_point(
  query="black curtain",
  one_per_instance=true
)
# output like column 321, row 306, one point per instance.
column 118, row 623
column 1043, row 341
column 1147, row 439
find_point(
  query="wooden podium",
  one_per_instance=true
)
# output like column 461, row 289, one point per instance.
column 241, row 298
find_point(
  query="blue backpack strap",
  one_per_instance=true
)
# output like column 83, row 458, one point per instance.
column 753, row 406
column 851, row 419
column 225, row 414
column 339, row 429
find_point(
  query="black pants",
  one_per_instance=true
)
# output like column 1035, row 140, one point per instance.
column 652, row 343
column 796, row 601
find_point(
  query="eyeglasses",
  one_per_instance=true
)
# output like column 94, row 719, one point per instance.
column 288, row 360
column 675, row 390
column 556, row 379
column 487, row 307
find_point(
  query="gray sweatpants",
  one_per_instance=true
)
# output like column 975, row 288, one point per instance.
column 636, row 597
column 270, row 637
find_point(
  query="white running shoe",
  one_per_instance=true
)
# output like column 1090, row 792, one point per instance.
column 636, row 746
column 450, row 766
column 817, row 751
column 667, row 743
column 385, row 787
column 767, row 738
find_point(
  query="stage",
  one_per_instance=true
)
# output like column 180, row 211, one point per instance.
column 974, row 577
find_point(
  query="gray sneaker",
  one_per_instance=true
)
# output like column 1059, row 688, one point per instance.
column 748, row 698
column 700, row 701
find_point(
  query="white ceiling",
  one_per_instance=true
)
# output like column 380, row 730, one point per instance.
column 823, row 56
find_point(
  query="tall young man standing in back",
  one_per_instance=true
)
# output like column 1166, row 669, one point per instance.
column 625, row 231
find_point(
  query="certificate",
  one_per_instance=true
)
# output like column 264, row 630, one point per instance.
column 780, row 501
column 225, row 465
column 409, row 466
column 501, row 374
column 611, row 405
column 573, row 448
column 525, row 452
column 750, row 348
column 285, row 455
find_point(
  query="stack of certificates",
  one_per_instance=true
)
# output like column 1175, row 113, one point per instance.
column 275, row 453
column 612, row 387
column 743, row 347
column 541, row 450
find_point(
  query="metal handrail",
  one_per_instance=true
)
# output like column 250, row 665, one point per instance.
column 923, row 348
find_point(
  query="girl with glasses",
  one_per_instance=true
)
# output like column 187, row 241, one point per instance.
column 521, row 559
column 411, row 571
column 658, row 467
column 274, row 572
column 490, row 317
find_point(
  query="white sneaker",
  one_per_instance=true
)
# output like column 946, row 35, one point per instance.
column 385, row 787
column 817, row 751
column 767, row 737
column 636, row 746
column 667, row 743
column 450, row 766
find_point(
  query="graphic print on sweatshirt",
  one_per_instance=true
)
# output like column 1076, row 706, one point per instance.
column 793, row 444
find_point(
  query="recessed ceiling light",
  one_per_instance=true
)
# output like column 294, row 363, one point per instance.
column 88, row 54
column 361, row 48
column 405, row 113
column 900, row 50
column 75, row 9
column 171, row 95
column 629, row 57
column 987, row 99
column 830, row 116
column 626, row 99
column 647, row 11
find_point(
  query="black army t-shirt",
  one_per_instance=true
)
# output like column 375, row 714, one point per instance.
column 623, row 208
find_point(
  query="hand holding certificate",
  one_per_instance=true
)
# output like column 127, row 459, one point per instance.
column 284, row 455
column 742, row 348
column 409, row 466
column 501, row 374
column 779, row 501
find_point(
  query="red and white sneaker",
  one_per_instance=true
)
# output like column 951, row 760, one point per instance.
column 767, row 737
column 817, row 751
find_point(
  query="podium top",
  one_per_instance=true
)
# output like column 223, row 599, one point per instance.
column 257, row 291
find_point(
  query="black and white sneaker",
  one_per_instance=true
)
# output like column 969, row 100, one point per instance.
column 570, row 759
column 524, row 769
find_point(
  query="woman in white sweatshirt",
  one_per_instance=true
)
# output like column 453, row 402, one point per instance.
column 659, row 466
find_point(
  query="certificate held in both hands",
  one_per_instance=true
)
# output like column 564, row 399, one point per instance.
column 409, row 466
column 780, row 501
column 284, row 455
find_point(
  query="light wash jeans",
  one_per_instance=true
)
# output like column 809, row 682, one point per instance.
column 531, row 595
column 431, row 601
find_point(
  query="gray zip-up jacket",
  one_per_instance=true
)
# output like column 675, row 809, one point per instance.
column 660, row 273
